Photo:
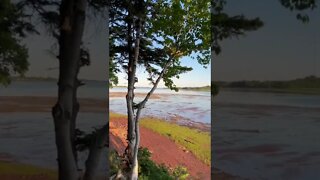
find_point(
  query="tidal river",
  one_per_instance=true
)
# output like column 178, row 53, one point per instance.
column 185, row 107
column 261, row 135
column 26, row 126
column 28, row 137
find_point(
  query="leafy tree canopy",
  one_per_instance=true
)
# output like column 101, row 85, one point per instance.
column 13, row 55
column 170, row 30
column 301, row 6
column 225, row 26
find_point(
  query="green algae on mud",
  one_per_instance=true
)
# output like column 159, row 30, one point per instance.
column 17, row 170
column 194, row 140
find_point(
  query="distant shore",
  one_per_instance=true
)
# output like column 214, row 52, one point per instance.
column 203, row 88
column 307, row 91
column 47, row 79
column 306, row 85
column 45, row 104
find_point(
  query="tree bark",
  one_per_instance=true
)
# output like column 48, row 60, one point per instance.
column 133, row 129
column 75, row 110
column 98, row 143
column 72, row 21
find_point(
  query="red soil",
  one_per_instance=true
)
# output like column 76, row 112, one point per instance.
column 163, row 149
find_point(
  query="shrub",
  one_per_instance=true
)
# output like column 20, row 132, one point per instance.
column 180, row 173
column 148, row 170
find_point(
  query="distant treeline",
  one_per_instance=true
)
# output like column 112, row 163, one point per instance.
column 30, row 78
column 307, row 82
column 213, row 88
column 203, row 88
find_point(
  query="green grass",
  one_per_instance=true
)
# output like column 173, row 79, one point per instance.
column 148, row 169
column 16, row 169
column 196, row 141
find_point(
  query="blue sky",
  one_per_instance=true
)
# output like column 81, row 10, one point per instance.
column 199, row 76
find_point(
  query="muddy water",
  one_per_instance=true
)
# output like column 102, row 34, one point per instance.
column 183, row 106
column 50, row 88
column 267, row 135
column 29, row 137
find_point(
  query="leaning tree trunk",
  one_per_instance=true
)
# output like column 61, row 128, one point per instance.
column 72, row 21
column 134, row 111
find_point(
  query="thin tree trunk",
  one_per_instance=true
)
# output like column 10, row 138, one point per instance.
column 72, row 22
column 133, row 140
column 75, row 110
column 141, row 105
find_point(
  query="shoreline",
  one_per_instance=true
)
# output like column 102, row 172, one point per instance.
column 11, row 104
column 302, row 91
column 163, row 149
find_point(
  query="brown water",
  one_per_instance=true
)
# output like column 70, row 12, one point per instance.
column 267, row 135
column 29, row 137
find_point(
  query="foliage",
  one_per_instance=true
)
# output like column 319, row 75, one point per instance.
column 300, row 6
column 65, row 21
column 225, row 26
column 307, row 82
column 155, row 35
column 171, row 30
column 203, row 88
column 113, row 78
column 180, row 173
column 13, row 55
column 114, row 161
column 307, row 85
column 214, row 89
column 196, row 141
column 148, row 170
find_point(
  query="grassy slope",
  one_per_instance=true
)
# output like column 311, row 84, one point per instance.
column 193, row 140
column 196, row 141
column 18, row 170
